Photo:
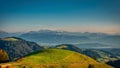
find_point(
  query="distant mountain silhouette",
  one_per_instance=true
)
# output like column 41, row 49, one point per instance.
column 63, row 37
column 4, row 34
column 47, row 36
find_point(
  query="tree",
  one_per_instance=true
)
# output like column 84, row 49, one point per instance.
column 91, row 66
column 3, row 56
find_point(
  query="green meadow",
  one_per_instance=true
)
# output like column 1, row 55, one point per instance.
column 58, row 58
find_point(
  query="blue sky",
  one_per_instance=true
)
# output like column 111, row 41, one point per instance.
column 68, row 15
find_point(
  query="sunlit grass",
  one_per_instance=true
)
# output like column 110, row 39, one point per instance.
column 10, row 39
column 57, row 58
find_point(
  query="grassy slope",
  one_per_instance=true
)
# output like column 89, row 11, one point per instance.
column 58, row 58
column 10, row 39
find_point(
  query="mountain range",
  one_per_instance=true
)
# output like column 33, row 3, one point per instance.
column 48, row 37
column 4, row 34
column 18, row 48
column 83, row 40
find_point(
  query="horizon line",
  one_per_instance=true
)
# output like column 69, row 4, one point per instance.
column 58, row 31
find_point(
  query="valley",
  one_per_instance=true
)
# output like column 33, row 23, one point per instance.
column 25, row 52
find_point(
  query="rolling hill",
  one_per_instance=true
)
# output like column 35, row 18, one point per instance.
column 58, row 58
column 100, row 55
column 17, row 47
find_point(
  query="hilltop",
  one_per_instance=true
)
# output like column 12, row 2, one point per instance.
column 100, row 55
column 52, row 58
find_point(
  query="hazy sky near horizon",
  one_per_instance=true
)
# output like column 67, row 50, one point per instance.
column 67, row 15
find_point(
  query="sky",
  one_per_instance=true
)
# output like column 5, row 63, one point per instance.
column 67, row 15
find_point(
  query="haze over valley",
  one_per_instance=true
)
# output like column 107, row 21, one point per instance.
column 59, row 33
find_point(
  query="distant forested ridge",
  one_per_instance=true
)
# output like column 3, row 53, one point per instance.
column 17, row 47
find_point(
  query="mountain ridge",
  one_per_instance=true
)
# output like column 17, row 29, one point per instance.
column 100, row 55
column 17, row 47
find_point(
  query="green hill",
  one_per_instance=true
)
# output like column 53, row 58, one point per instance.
column 58, row 58
column 100, row 55
column 10, row 39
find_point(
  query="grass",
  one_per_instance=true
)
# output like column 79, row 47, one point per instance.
column 57, row 58
column 10, row 39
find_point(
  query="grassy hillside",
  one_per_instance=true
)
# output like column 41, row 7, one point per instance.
column 58, row 58
column 10, row 39
column 101, row 55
